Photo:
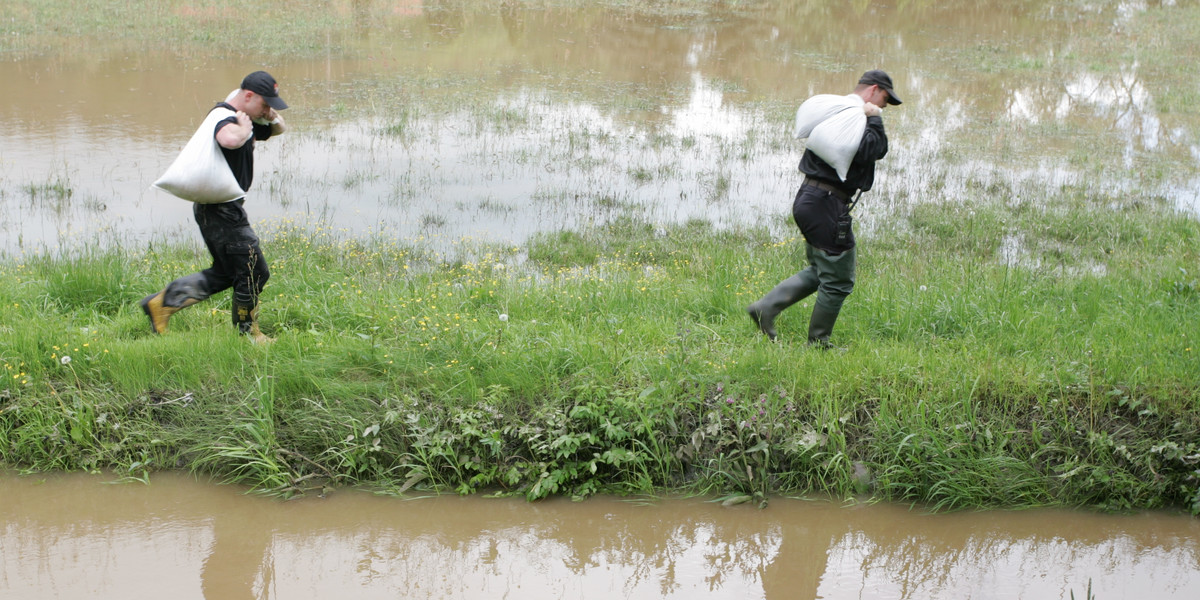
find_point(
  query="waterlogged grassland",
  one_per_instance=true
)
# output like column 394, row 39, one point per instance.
column 976, row 371
column 51, row 27
column 312, row 28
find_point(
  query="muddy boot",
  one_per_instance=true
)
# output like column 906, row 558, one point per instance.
column 159, row 313
column 820, row 326
column 788, row 292
column 245, row 317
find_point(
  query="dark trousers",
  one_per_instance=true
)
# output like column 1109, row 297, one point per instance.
column 238, row 261
column 817, row 213
column 831, row 259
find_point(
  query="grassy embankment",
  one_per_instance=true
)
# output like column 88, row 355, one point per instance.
column 620, row 360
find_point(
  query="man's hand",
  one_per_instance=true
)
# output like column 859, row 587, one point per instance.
column 277, row 124
column 871, row 110
column 274, row 119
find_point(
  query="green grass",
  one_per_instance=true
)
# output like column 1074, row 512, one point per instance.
column 619, row 359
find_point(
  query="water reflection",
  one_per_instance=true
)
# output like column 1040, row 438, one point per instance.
column 239, row 561
column 74, row 537
column 497, row 120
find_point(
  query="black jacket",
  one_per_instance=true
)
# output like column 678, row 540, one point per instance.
column 861, row 176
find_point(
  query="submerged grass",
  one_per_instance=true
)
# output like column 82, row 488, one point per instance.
column 1058, row 369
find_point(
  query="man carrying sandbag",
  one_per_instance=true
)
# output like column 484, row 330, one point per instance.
column 836, row 170
column 237, row 259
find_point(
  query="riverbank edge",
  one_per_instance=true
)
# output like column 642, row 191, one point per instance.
column 652, row 441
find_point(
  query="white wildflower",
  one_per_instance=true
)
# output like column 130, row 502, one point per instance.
column 66, row 360
column 503, row 317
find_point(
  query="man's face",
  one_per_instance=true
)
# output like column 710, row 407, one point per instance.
column 878, row 96
column 257, row 107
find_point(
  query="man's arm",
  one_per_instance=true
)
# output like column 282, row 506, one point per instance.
column 874, row 144
column 232, row 136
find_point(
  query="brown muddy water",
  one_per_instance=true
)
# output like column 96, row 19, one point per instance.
column 492, row 121
column 74, row 536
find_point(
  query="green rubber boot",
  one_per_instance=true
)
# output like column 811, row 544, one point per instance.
column 820, row 326
column 788, row 292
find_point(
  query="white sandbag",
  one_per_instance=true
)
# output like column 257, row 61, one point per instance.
column 200, row 173
column 834, row 126
column 817, row 109
column 837, row 138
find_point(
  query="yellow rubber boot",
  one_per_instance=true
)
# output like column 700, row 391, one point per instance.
column 160, row 313
column 246, row 318
column 258, row 337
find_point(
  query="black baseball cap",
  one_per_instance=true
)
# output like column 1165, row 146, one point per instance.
column 881, row 79
column 261, row 83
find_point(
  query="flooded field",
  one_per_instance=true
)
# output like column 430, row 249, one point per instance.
column 495, row 120
column 76, row 537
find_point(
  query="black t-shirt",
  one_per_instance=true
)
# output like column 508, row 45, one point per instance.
column 241, row 160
